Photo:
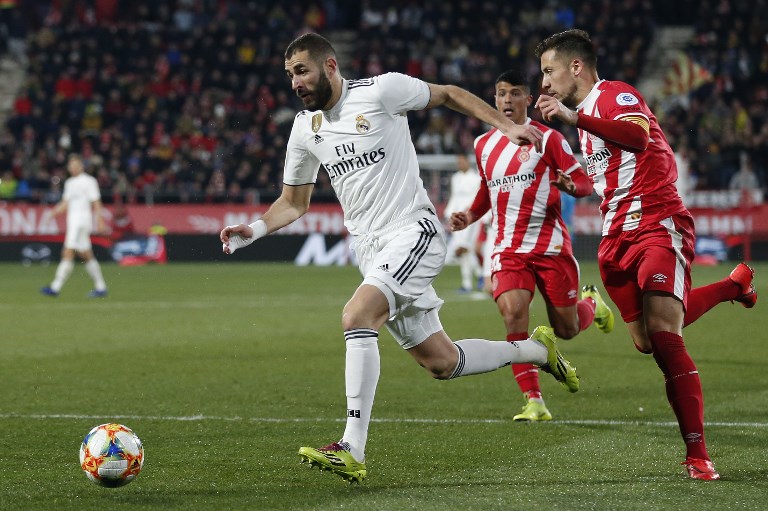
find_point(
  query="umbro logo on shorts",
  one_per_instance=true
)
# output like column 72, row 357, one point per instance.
column 660, row 278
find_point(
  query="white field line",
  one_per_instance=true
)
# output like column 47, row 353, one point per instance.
column 199, row 418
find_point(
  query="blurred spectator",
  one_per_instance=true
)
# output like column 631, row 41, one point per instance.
column 8, row 184
column 122, row 223
column 745, row 178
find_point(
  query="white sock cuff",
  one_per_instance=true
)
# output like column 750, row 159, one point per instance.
column 361, row 336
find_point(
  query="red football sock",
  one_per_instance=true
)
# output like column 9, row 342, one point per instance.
column 585, row 309
column 703, row 298
column 683, row 390
column 526, row 375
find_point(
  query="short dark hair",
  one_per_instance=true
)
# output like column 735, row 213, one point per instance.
column 319, row 47
column 570, row 44
column 515, row 77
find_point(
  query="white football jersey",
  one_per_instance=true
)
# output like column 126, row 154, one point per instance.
column 464, row 186
column 81, row 192
column 365, row 145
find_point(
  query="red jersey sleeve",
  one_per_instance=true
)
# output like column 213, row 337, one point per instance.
column 622, row 118
column 482, row 203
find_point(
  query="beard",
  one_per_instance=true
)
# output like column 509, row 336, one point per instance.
column 320, row 96
column 569, row 99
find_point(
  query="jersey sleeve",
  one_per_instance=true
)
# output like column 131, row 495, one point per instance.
column 482, row 202
column 301, row 166
column 619, row 102
column 558, row 153
column 401, row 93
column 622, row 101
column 94, row 194
column 68, row 190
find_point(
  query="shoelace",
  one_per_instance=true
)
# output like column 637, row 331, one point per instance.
column 334, row 447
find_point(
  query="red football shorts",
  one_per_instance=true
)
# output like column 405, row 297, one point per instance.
column 653, row 258
column 556, row 276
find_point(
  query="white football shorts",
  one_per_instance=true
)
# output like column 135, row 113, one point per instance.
column 78, row 238
column 402, row 260
column 465, row 238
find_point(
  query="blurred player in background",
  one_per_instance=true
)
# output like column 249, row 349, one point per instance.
column 82, row 202
column 358, row 130
column 464, row 185
column 648, row 239
column 532, row 247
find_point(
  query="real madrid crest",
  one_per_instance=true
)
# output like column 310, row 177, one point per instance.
column 524, row 155
column 362, row 125
column 317, row 121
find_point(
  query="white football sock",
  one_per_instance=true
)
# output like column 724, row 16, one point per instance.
column 468, row 265
column 94, row 270
column 481, row 356
column 63, row 271
column 361, row 377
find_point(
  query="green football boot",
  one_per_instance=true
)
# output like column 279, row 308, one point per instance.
column 603, row 314
column 335, row 458
column 556, row 364
column 533, row 411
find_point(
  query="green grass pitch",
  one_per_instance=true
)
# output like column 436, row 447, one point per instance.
column 225, row 370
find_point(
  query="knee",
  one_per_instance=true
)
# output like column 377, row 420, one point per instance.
column 350, row 320
column 438, row 374
column 515, row 320
column 566, row 331
column 642, row 349
column 643, row 344
column 438, row 370
column 360, row 317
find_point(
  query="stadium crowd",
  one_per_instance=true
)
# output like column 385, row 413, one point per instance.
column 187, row 101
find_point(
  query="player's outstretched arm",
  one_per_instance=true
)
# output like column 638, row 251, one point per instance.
column 289, row 207
column 467, row 103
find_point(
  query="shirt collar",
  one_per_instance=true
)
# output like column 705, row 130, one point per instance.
column 335, row 111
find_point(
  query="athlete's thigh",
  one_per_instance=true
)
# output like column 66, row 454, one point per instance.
column 619, row 278
column 78, row 238
column 511, row 271
column 402, row 265
column 667, row 252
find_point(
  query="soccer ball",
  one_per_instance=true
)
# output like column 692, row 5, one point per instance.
column 111, row 455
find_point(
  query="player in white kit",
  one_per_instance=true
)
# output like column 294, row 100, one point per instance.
column 461, row 246
column 358, row 131
column 82, row 202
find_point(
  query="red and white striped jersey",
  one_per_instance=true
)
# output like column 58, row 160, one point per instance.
column 516, row 179
column 636, row 188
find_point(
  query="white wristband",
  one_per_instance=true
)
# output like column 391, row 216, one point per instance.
column 259, row 229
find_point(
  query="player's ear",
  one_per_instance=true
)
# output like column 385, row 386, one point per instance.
column 577, row 66
column 331, row 66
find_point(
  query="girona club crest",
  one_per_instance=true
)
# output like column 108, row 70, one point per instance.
column 523, row 155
